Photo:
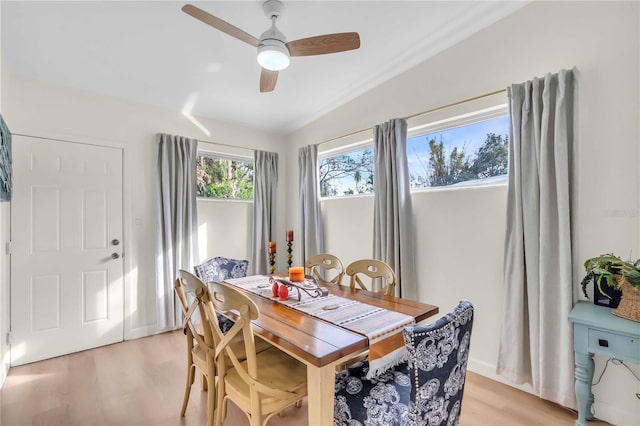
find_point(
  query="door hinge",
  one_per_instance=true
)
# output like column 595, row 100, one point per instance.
column 8, row 247
column 8, row 338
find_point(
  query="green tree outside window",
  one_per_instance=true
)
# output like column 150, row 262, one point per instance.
column 224, row 178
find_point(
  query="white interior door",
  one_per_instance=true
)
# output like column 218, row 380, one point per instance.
column 66, row 259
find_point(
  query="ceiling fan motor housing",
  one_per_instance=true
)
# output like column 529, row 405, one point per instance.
column 273, row 33
column 273, row 8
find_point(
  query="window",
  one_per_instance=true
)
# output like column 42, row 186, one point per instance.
column 347, row 173
column 224, row 177
column 471, row 154
column 469, row 149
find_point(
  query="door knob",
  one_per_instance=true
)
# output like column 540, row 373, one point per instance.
column 115, row 255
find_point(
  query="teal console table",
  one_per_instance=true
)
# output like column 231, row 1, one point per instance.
column 597, row 331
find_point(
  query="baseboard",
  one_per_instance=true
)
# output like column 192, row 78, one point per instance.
column 615, row 414
column 489, row 371
column 137, row 333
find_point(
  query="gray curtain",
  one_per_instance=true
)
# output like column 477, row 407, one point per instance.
column 265, row 183
column 177, row 225
column 393, row 216
column 311, row 240
column 536, row 340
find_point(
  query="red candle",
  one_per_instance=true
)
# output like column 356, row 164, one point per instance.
column 283, row 292
column 272, row 247
column 290, row 235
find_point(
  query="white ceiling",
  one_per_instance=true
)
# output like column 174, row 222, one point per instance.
column 152, row 52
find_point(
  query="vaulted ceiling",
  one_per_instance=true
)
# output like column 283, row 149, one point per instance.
column 152, row 52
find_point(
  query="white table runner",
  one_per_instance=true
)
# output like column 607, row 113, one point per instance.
column 381, row 326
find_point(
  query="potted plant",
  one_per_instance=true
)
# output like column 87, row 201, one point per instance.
column 616, row 273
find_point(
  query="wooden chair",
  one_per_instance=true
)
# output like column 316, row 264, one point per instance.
column 373, row 269
column 425, row 390
column 201, row 353
column 326, row 262
column 201, row 339
column 265, row 383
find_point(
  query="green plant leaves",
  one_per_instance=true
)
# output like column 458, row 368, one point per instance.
column 607, row 266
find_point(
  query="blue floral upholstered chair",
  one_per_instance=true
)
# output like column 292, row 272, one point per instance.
column 219, row 269
column 425, row 390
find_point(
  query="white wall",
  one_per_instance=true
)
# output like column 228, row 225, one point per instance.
column 348, row 223
column 224, row 229
column 5, row 211
column 460, row 232
column 50, row 111
column 5, row 215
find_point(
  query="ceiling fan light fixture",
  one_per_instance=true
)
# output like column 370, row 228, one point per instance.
column 273, row 55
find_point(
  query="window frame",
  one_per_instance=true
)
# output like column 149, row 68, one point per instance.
column 342, row 150
column 453, row 122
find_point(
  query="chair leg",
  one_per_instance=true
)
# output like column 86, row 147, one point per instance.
column 211, row 401
column 187, row 391
column 255, row 417
column 221, row 405
column 205, row 383
column 254, row 420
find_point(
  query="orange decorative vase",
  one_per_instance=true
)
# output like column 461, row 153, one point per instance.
column 629, row 306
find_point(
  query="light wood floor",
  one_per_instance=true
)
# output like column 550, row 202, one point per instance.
column 141, row 382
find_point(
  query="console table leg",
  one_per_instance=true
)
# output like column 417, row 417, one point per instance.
column 591, row 370
column 584, row 375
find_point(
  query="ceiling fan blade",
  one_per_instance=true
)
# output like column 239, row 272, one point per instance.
column 320, row 45
column 268, row 80
column 221, row 25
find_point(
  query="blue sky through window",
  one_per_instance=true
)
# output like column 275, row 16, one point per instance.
column 471, row 136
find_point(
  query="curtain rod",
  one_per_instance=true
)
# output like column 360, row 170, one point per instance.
column 226, row 144
column 475, row 98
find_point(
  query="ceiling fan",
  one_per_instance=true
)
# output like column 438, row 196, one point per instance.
column 274, row 50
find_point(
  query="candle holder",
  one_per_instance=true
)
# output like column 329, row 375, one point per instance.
column 309, row 286
column 289, row 255
column 272, row 263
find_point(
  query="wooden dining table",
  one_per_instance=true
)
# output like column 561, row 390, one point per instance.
column 320, row 345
